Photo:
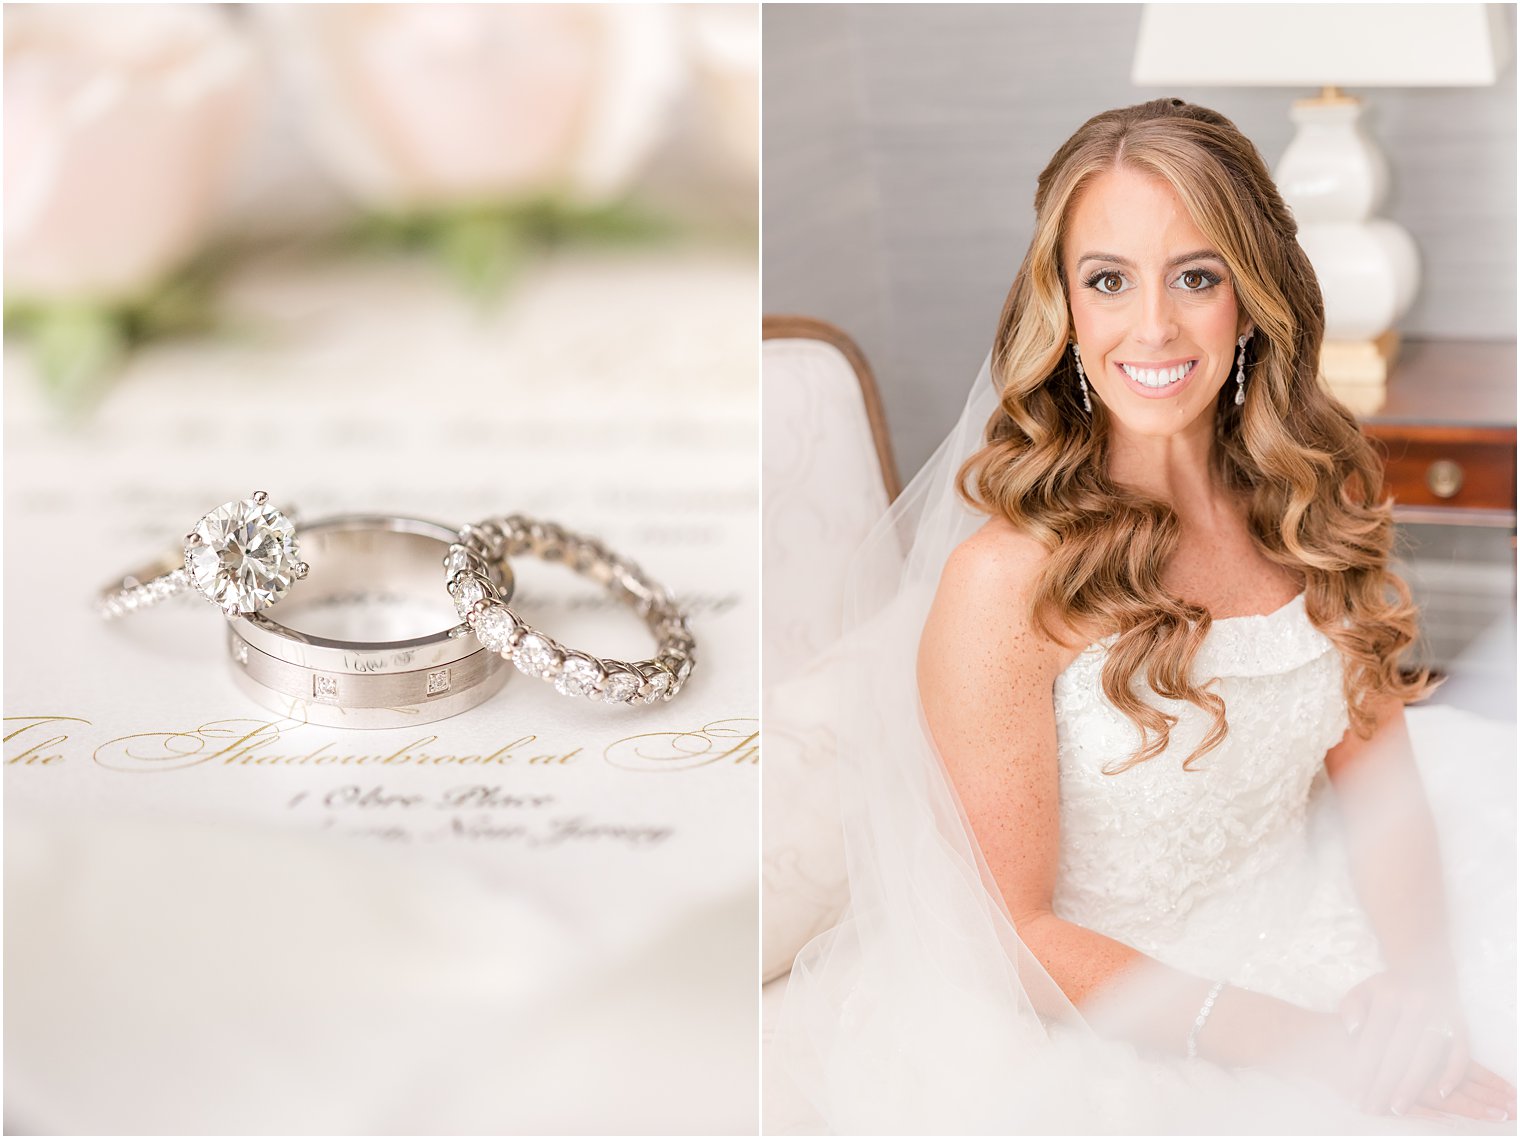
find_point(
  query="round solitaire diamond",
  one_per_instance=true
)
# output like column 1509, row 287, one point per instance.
column 534, row 655
column 577, row 677
column 619, row 687
column 243, row 556
column 493, row 627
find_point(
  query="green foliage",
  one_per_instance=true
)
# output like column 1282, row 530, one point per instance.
column 484, row 247
column 81, row 344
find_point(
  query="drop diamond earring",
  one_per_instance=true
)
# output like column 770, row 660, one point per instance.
column 1240, row 370
column 1076, row 354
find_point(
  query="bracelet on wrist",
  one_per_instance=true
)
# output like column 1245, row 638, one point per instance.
column 1202, row 1018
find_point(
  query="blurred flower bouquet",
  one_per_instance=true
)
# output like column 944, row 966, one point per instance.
column 477, row 133
column 121, row 126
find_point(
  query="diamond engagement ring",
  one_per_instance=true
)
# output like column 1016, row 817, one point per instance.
column 479, row 550
column 371, row 641
column 242, row 556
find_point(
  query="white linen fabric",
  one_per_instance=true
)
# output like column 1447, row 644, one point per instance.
column 923, row 1011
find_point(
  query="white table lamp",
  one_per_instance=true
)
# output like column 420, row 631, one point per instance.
column 1333, row 175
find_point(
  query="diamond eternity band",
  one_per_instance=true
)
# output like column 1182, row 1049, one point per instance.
column 497, row 627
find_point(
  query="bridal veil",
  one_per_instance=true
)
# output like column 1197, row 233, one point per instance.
column 922, row 1011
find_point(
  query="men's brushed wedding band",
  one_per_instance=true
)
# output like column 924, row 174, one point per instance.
column 357, row 560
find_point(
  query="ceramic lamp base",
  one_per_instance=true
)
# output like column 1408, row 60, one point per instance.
column 1356, row 371
column 1335, row 178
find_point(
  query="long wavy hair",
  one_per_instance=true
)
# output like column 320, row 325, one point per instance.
column 1292, row 451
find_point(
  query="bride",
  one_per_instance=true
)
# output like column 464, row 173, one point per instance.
column 1137, row 842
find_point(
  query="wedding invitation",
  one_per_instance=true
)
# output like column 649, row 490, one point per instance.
column 531, row 883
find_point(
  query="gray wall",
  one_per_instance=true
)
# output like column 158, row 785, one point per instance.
column 902, row 144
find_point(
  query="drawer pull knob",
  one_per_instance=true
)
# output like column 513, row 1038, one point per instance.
column 1444, row 478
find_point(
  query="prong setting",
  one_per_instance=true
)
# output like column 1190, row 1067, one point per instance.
column 244, row 555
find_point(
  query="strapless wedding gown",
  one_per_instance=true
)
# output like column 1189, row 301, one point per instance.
column 1216, row 870
column 904, row 1018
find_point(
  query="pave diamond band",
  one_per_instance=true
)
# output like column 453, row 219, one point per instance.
column 143, row 587
column 368, row 570
column 480, row 550
column 242, row 556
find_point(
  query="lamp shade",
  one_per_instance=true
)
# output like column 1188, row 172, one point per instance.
column 1317, row 45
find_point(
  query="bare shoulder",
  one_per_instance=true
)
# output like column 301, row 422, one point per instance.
column 996, row 554
column 986, row 685
column 984, row 595
column 980, row 655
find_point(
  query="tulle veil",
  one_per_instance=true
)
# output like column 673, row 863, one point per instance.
column 860, row 1043
column 922, row 1011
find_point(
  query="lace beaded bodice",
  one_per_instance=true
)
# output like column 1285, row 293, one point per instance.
column 1220, row 870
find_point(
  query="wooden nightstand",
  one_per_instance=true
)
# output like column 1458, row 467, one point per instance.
column 1448, row 431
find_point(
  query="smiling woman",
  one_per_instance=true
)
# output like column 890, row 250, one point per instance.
column 1159, row 817
column 1176, row 500
column 1151, row 318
